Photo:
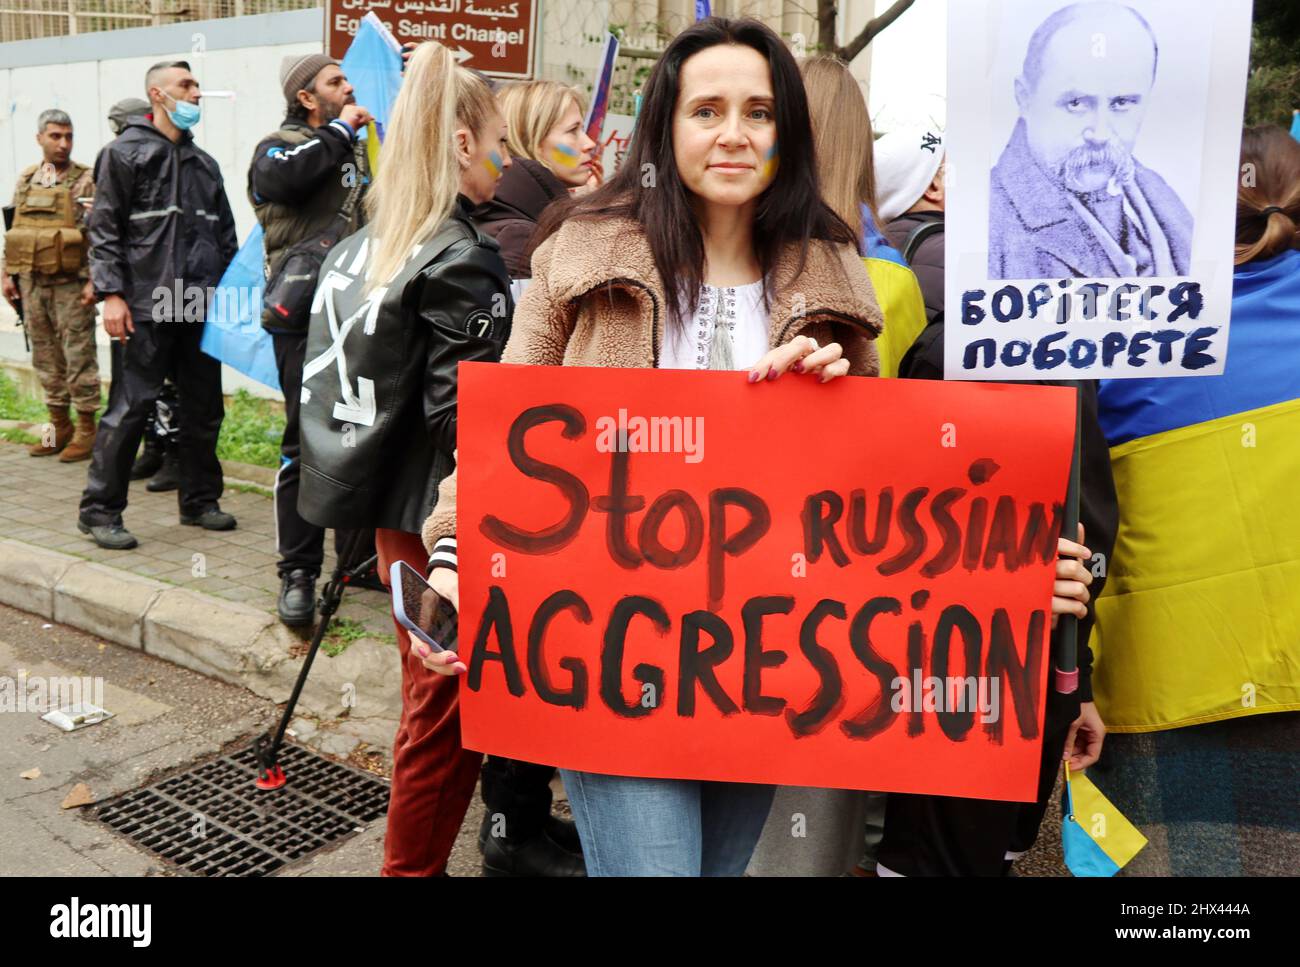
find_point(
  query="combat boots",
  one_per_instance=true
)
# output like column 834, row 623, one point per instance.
column 83, row 441
column 63, row 433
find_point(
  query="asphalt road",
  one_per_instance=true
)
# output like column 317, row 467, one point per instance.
column 167, row 717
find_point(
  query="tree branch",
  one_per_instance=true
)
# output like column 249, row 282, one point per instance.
column 859, row 43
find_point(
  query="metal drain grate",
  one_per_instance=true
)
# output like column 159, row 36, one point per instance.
column 212, row 821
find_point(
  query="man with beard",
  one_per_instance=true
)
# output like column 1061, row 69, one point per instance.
column 1068, row 199
column 306, row 185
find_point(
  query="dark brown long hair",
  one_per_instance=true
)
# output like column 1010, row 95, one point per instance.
column 790, row 210
column 1269, row 178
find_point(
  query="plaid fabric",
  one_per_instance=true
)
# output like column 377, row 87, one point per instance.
column 1214, row 800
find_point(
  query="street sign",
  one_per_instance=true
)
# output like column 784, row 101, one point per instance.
column 495, row 37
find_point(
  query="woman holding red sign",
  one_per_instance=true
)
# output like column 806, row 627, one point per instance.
column 726, row 258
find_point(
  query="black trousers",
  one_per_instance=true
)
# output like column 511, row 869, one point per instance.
column 945, row 836
column 518, row 791
column 162, row 425
column 301, row 545
column 153, row 352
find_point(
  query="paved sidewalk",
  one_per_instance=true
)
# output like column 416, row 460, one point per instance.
column 202, row 599
column 39, row 507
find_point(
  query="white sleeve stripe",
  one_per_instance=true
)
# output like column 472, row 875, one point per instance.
column 280, row 154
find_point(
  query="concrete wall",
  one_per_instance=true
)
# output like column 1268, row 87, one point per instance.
column 85, row 74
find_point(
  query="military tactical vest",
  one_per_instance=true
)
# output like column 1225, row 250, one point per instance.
column 46, row 237
column 286, row 225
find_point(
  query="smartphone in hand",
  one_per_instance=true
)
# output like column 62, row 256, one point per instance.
column 421, row 610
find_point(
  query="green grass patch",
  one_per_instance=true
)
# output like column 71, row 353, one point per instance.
column 19, row 436
column 251, row 431
column 247, row 488
column 15, row 405
column 343, row 631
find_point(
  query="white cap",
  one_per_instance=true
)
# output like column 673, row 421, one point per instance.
column 907, row 160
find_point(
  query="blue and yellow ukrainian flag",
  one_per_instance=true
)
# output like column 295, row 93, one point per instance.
column 1200, row 618
column 1096, row 837
column 901, row 304
column 897, row 292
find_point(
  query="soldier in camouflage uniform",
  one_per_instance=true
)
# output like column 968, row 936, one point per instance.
column 46, row 248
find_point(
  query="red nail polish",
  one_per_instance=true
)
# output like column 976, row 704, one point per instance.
column 798, row 366
column 772, row 374
column 753, row 377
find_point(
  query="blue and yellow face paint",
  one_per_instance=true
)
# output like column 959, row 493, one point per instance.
column 565, row 156
column 493, row 164
column 771, row 161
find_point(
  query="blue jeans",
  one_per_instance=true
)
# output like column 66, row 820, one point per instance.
column 666, row 827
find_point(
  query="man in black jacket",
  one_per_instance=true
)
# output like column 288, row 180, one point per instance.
column 161, row 235
column 306, row 181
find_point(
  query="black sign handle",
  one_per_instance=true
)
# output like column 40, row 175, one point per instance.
column 1067, row 628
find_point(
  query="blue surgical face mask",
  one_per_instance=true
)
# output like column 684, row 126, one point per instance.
column 185, row 116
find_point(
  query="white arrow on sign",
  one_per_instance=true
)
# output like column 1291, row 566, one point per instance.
column 462, row 55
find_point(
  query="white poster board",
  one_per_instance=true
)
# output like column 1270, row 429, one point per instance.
column 1093, row 163
column 614, row 141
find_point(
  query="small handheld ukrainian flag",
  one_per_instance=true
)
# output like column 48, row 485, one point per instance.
column 1097, row 839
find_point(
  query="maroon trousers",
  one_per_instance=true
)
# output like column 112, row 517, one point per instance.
column 433, row 776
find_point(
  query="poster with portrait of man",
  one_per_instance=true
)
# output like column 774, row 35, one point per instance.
column 1093, row 163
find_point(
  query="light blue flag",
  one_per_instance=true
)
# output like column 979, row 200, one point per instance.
column 1295, row 125
column 373, row 65
column 233, row 332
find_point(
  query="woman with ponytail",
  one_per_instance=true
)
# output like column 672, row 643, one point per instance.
column 399, row 304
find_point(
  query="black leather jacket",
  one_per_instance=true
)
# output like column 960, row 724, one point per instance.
column 378, row 426
column 161, row 220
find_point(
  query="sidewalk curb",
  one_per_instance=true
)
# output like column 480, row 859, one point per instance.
column 222, row 639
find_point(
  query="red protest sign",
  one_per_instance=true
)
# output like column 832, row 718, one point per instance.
column 678, row 574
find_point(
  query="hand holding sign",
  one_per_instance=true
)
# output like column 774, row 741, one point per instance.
column 1070, row 592
column 802, row 355
column 871, row 615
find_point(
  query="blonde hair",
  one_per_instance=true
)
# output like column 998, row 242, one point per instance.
column 531, row 109
column 415, row 189
column 842, row 138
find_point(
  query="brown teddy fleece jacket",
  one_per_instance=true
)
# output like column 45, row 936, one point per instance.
column 596, row 299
